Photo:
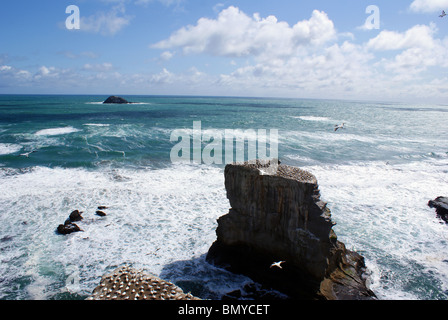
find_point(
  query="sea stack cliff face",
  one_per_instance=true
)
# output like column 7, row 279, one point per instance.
column 278, row 216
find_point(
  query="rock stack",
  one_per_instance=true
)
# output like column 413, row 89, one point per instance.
column 279, row 217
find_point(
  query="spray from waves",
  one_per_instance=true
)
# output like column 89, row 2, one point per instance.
column 381, row 211
column 96, row 124
column 164, row 228
column 56, row 131
column 313, row 118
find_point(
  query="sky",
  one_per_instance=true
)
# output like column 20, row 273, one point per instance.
column 373, row 50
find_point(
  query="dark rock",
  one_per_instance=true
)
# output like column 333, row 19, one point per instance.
column 75, row 216
column 441, row 206
column 116, row 100
column 68, row 227
column 102, row 207
column 6, row 238
column 277, row 215
column 101, row 213
column 233, row 295
column 254, row 291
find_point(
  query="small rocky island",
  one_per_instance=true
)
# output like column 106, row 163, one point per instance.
column 116, row 100
column 279, row 233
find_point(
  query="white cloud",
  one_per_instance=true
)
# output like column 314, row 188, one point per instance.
column 47, row 72
column 429, row 5
column 420, row 36
column 419, row 49
column 164, row 77
column 235, row 34
column 108, row 23
column 5, row 68
column 102, row 67
column 336, row 70
column 166, row 55
column 14, row 73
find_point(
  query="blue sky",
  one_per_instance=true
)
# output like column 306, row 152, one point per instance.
column 284, row 48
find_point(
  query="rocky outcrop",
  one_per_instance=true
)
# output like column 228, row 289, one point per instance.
column 75, row 215
column 69, row 226
column 126, row 283
column 441, row 206
column 276, row 215
column 116, row 100
column 100, row 213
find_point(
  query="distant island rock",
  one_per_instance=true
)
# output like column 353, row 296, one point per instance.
column 116, row 100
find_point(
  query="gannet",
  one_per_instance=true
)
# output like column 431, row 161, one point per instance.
column 277, row 264
column 336, row 127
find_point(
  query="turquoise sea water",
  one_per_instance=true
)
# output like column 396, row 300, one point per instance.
column 61, row 153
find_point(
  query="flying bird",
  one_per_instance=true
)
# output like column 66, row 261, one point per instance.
column 341, row 126
column 443, row 14
column 277, row 264
column 26, row 154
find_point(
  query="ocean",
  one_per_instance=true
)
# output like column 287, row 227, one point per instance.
column 62, row 153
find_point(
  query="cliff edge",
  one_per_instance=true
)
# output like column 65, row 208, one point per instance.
column 276, row 215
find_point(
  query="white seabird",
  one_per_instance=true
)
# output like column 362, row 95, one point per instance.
column 339, row 126
column 27, row 154
column 277, row 264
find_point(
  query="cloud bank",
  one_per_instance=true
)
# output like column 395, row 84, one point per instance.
column 429, row 5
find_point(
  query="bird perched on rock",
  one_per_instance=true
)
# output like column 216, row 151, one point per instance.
column 277, row 264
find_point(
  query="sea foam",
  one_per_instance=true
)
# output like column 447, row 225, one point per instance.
column 381, row 211
column 313, row 118
column 161, row 220
column 56, row 131
column 9, row 148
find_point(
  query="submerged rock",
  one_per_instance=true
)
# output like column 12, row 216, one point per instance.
column 116, row 100
column 441, row 206
column 276, row 215
column 126, row 283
